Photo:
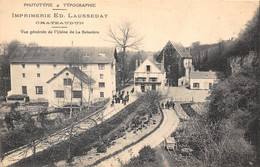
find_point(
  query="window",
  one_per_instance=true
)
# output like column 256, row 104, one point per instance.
column 67, row 81
column 23, row 75
column 38, row 65
column 54, row 74
column 23, row 65
column 140, row 79
column 101, row 76
column 24, row 90
column 77, row 94
column 153, row 79
column 54, row 65
column 85, row 65
column 148, row 68
column 101, row 84
column 101, row 66
column 210, row 85
column 38, row 75
column 59, row 93
column 153, row 87
column 196, row 85
column 39, row 89
column 102, row 94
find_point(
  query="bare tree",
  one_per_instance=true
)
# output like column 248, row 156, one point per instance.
column 125, row 38
column 76, row 62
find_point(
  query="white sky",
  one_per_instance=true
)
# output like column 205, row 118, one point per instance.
column 156, row 21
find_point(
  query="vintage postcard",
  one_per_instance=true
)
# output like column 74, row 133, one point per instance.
column 129, row 83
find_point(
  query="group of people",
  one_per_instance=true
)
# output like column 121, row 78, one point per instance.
column 121, row 96
column 168, row 105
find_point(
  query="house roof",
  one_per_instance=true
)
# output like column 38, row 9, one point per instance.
column 151, row 60
column 158, row 65
column 203, row 75
column 179, row 48
column 77, row 73
column 88, row 55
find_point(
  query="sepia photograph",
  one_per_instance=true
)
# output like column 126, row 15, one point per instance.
column 132, row 83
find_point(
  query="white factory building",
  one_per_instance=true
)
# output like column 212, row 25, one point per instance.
column 58, row 75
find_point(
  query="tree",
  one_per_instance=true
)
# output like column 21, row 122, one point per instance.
column 75, row 57
column 8, row 50
column 125, row 39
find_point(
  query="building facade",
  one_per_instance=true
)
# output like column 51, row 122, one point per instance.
column 46, row 74
column 150, row 75
column 203, row 80
column 177, row 63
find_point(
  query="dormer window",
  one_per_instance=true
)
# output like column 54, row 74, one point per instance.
column 148, row 68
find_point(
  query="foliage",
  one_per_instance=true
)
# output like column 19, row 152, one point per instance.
column 147, row 154
column 19, row 136
column 5, row 84
column 223, row 146
column 210, row 57
column 189, row 111
column 82, row 143
column 220, row 137
column 236, row 93
column 248, row 40
column 216, row 56
column 101, row 149
column 173, row 64
column 146, row 157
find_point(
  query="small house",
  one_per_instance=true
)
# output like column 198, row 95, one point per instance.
column 150, row 75
column 203, row 79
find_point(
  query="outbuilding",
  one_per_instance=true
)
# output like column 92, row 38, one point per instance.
column 203, row 79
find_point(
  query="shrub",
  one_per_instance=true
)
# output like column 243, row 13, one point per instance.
column 101, row 149
column 134, row 162
column 220, row 146
column 147, row 154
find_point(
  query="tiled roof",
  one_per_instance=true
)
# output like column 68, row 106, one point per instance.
column 203, row 75
column 66, row 55
column 179, row 48
column 77, row 73
column 158, row 65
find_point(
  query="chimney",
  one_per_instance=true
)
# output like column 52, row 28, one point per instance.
column 136, row 64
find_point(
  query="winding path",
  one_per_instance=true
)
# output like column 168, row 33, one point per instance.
column 170, row 122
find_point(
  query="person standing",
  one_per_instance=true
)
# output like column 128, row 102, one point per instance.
column 162, row 105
